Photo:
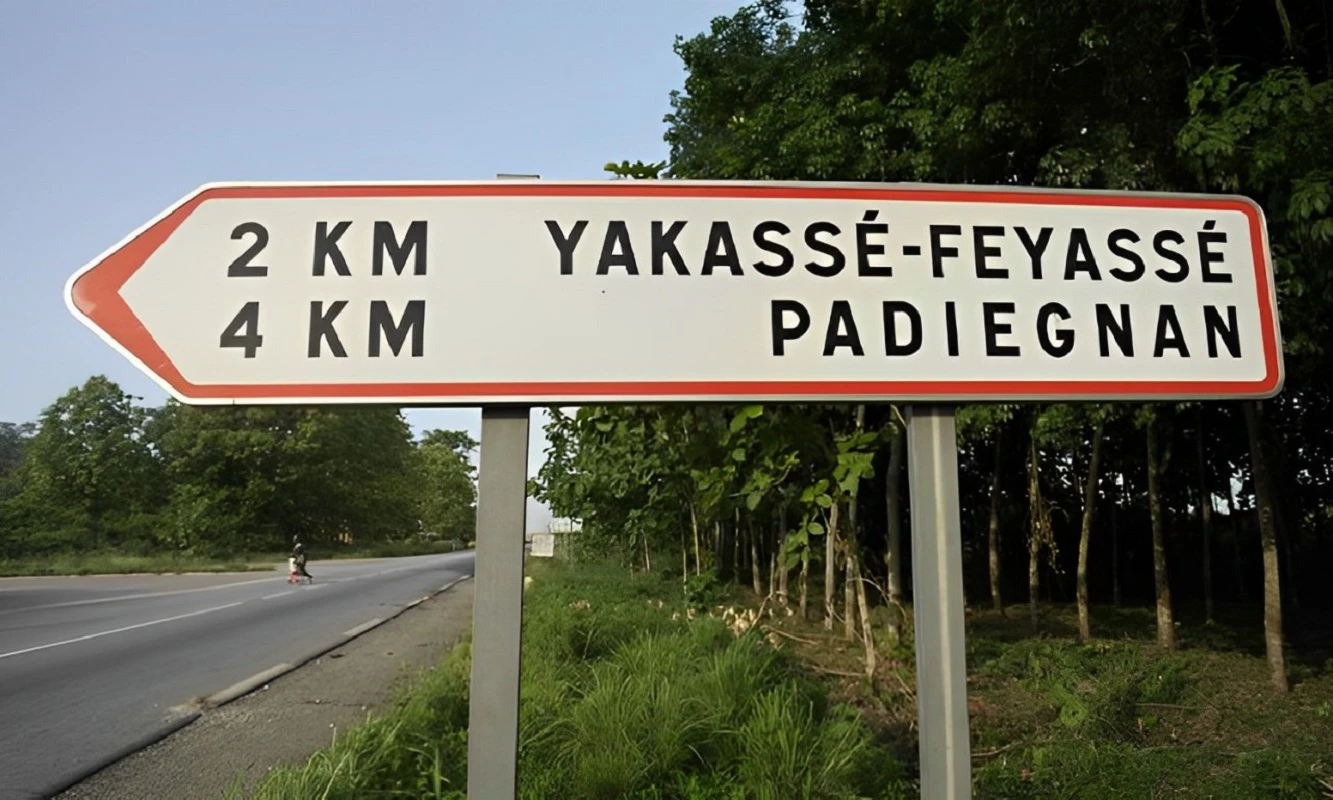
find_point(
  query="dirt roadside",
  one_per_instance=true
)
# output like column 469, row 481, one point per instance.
column 291, row 718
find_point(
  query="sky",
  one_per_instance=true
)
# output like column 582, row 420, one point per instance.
column 110, row 112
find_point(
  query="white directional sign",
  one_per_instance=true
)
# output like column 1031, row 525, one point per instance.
column 543, row 545
column 540, row 292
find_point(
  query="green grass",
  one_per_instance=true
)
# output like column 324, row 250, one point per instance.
column 623, row 697
column 124, row 564
column 1120, row 718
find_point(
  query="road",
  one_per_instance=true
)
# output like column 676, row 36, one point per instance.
column 90, row 666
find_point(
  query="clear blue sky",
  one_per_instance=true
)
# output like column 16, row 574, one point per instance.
column 109, row 112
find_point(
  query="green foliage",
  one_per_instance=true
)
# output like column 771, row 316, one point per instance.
column 1097, row 688
column 637, row 171
column 661, row 708
column 448, row 496
column 418, row 749
column 101, row 475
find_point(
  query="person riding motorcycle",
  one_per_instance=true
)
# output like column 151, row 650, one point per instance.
column 299, row 558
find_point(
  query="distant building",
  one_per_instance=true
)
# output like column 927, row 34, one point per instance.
column 564, row 525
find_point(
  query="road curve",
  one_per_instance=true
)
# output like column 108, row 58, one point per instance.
column 90, row 666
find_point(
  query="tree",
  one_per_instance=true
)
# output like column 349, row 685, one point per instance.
column 88, row 478
column 249, row 478
column 448, row 497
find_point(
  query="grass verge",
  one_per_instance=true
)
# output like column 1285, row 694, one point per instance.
column 625, row 695
column 629, row 693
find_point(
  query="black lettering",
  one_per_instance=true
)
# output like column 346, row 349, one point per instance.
column 1169, row 333
column 326, row 247
column 866, row 228
column 664, row 246
column 1159, row 244
column 981, row 252
column 321, row 328
column 1079, row 258
column 892, row 347
column 617, row 234
column 1113, row 243
column 721, row 251
column 778, row 249
column 939, row 252
column 414, row 241
column 995, row 329
column 241, row 267
column 382, row 325
column 827, row 248
column 1035, row 249
column 781, row 332
column 1208, row 257
column 243, row 330
column 839, row 318
column 951, row 326
column 565, row 244
column 1109, row 327
column 1228, row 330
column 1064, row 337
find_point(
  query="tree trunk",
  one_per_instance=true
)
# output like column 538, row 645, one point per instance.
column 1275, row 463
column 867, row 630
column 1206, row 517
column 1115, row 546
column 684, row 559
column 893, row 557
column 1034, row 534
column 1237, row 551
column 993, row 529
column 782, row 555
column 754, row 559
column 805, row 582
column 1263, row 496
column 849, row 590
column 1085, row 532
column 850, row 544
column 694, row 524
column 1157, row 461
column 848, row 595
column 830, row 565
column 737, row 554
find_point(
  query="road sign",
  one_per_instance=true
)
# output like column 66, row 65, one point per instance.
column 543, row 545
column 542, row 292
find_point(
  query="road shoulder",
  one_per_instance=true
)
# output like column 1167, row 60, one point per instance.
column 295, row 715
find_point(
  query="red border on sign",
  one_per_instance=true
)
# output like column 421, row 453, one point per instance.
column 96, row 295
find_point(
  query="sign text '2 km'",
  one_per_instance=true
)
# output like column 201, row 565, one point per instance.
column 550, row 292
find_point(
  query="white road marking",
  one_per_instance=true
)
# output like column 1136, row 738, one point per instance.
column 363, row 627
column 119, row 630
column 140, row 596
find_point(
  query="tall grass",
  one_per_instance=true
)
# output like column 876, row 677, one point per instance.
column 623, row 697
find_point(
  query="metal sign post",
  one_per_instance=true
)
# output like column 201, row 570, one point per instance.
column 937, row 604
column 497, row 607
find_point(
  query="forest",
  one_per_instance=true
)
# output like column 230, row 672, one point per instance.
column 99, row 473
column 1201, row 510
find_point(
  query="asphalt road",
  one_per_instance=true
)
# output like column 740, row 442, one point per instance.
column 90, row 666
